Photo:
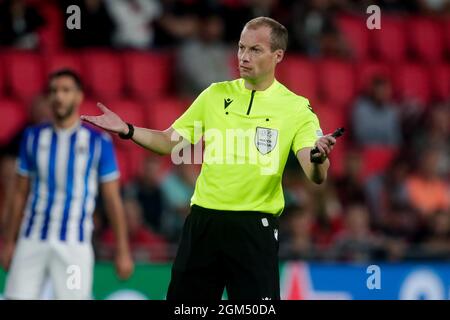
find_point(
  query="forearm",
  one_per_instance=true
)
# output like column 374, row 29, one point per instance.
column 116, row 219
column 13, row 217
column 315, row 172
column 115, row 213
column 153, row 140
column 318, row 172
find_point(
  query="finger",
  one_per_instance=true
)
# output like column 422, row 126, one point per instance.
column 102, row 107
column 331, row 140
column 321, row 150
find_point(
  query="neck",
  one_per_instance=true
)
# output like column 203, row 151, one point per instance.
column 66, row 123
column 259, row 85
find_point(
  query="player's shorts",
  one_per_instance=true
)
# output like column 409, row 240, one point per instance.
column 68, row 266
column 236, row 250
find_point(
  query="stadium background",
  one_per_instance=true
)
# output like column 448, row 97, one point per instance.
column 387, row 198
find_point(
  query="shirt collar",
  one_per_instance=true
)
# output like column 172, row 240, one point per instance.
column 68, row 131
column 262, row 93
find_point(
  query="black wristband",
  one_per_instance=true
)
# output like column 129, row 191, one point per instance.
column 130, row 133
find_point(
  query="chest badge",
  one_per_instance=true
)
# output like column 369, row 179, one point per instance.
column 265, row 139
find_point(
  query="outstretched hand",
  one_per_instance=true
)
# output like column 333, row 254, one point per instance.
column 108, row 120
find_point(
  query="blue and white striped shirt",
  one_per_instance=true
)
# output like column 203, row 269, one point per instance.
column 65, row 167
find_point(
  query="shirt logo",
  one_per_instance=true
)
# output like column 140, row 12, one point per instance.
column 226, row 102
column 265, row 139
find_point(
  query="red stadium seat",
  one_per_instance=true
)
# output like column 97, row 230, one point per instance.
column 412, row 82
column 389, row 42
column 89, row 107
column 124, row 163
column 337, row 81
column 163, row 112
column 446, row 27
column 50, row 35
column 356, row 34
column 376, row 159
column 24, row 74
column 2, row 80
column 63, row 60
column 441, row 81
column 425, row 39
column 148, row 75
column 131, row 112
column 12, row 120
column 365, row 71
column 103, row 74
column 300, row 76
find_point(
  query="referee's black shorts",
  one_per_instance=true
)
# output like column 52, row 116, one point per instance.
column 236, row 250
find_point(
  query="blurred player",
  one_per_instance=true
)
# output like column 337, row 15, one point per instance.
column 60, row 168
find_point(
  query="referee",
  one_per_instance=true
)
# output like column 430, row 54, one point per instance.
column 230, row 237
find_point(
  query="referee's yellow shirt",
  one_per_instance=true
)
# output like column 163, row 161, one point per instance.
column 248, row 135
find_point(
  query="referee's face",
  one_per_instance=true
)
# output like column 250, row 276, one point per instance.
column 257, row 61
column 65, row 97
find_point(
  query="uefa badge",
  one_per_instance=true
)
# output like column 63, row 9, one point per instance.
column 265, row 139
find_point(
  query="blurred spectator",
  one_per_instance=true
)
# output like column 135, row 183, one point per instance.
column 328, row 215
column 177, row 22
column 375, row 119
column 387, row 190
column 356, row 242
column 314, row 31
column 19, row 23
column 134, row 22
column 145, row 245
column 435, row 132
column 178, row 188
column 436, row 241
column 427, row 191
column 349, row 186
column 147, row 191
column 434, row 7
column 297, row 241
column 204, row 59
column 97, row 26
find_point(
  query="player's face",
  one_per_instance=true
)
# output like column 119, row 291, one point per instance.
column 256, row 59
column 65, row 97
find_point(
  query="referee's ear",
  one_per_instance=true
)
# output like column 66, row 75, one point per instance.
column 279, row 54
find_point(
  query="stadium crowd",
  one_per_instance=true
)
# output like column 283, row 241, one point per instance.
column 388, row 194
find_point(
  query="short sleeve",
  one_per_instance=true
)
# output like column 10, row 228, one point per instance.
column 108, row 169
column 308, row 131
column 190, row 125
column 24, row 162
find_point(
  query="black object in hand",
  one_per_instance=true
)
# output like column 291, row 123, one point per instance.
column 336, row 134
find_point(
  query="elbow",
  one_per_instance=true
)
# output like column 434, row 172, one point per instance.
column 319, row 180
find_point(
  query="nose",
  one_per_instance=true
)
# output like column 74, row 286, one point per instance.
column 244, row 56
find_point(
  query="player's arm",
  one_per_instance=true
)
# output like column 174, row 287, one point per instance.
column 160, row 142
column 317, row 172
column 13, row 217
column 116, row 216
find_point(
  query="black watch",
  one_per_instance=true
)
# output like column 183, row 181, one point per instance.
column 130, row 133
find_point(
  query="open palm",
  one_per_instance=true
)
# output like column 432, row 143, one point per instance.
column 108, row 120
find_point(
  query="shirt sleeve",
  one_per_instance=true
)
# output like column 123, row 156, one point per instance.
column 308, row 131
column 108, row 169
column 190, row 125
column 24, row 162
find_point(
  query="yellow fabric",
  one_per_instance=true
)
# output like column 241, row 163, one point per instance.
column 245, row 154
